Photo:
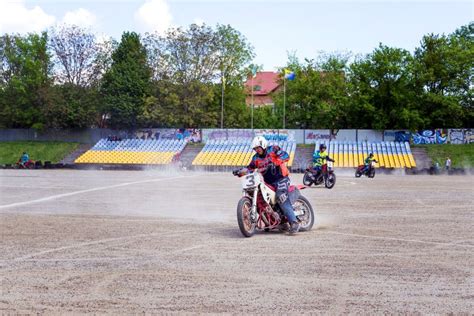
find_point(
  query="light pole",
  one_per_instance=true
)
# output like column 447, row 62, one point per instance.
column 284, row 99
column 251, row 83
column 222, row 99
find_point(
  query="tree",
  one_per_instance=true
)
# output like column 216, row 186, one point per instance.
column 74, row 55
column 318, row 96
column 444, row 74
column 71, row 106
column 24, row 80
column 382, row 90
column 186, row 65
column 126, row 84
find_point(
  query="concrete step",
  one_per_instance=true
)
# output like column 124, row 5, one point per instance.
column 189, row 153
column 423, row 161
column 82, row 148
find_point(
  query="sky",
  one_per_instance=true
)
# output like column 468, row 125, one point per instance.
column 275, row 28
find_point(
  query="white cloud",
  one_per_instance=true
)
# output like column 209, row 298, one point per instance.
column 80, row 17
column 154, row 15
column 15, row 17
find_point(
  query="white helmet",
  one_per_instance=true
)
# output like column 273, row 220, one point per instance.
column 259, row 141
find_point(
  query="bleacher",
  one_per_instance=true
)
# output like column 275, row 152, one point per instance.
column 352, row 154
column 237, row 152
column 133, row 151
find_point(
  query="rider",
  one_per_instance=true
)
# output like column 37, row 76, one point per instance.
column 24, row 159
column 270, row 161
column 320, row 159
column 368, row 161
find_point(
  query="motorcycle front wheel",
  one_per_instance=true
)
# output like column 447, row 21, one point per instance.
column 358, row 173
column 371, row 173
column 307, row 179
column 307, row 219
column 243, row 217
column 330, row 180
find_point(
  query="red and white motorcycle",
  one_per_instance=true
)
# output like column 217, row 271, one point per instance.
column 258, row 209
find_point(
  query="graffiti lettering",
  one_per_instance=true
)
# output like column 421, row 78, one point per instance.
column 456, row 136
column 468, row 136
column 437, row 136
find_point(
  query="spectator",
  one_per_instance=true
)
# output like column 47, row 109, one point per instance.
column 436, row 168
column 24, row 160
column 448, row 164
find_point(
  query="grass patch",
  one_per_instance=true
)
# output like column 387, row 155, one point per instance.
column 462, row 156
column 10, row 152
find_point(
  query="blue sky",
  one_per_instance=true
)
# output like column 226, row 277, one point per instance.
column 274, row 28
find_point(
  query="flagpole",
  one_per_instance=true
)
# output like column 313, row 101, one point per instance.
column 252, row 98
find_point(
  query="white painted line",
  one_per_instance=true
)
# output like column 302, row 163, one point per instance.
column 58, row 196
column 187, row 249
column 403, row 240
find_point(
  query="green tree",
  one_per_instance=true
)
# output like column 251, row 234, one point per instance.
column 382, row 90
column 318, row 96
column 444, row 68
column 24, row 83
column 71, row 106
column 187, row 64
column 126, row 85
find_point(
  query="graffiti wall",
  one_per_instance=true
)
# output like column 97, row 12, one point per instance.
column 270, row 134
column 430, row 136
column 226, row 134
column 345, row 135
column 276, row 134
column 310, row 136
column 468, row 136
column 456, row 136
column 369, row 135
column 313, row 135
column 188, row 134
column 396, row 136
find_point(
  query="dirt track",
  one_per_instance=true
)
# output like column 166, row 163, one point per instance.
column 155, row 242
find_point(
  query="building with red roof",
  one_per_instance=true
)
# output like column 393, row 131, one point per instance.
column 264, row 84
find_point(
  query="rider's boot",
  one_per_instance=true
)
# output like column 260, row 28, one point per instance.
column 294, row 228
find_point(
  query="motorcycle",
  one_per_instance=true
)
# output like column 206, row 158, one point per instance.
column 369, row 172
column 259, row 210
column 326, row 175
column 30, row 164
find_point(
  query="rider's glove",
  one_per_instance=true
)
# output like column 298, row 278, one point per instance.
column 236, row 172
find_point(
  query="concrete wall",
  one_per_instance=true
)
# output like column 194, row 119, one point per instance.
column 309, row 136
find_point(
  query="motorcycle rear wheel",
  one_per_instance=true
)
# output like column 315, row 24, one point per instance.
column 307, row 219
column 247, row 228
column 307, row 179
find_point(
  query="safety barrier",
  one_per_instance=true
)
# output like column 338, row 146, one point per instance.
column 236, row 152
column 133, row 151
column 353, row 154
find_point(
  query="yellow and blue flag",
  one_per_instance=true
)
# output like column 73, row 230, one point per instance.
column 289, row 75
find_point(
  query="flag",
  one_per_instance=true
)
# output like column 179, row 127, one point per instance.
column 289, row 75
